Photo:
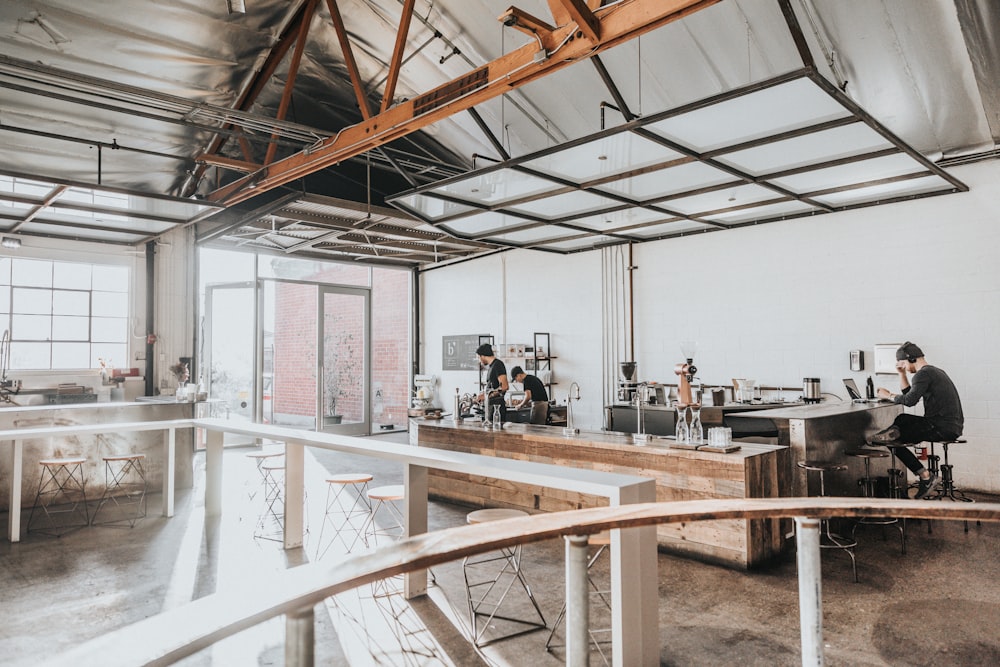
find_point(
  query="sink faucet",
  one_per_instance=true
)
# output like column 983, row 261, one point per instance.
column 574, row 395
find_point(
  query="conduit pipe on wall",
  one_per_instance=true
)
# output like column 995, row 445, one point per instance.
column 150, row 311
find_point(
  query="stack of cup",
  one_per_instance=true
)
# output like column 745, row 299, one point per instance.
column 720, row 436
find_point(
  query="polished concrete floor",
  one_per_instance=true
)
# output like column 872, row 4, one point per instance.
column 938, row 604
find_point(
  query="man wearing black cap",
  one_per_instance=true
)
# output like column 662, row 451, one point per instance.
column 496, row 380
column 942, row 419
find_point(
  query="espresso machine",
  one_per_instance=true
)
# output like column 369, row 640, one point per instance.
column 628, row 385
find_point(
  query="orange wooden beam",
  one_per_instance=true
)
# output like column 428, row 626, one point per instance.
column 619, row 23
column 525, row 22
column 348, row 53
column 293, row 71
column 397, row 54
column 581, row 14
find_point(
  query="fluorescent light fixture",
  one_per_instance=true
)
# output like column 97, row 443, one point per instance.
column 10, row 242
column 236, row 6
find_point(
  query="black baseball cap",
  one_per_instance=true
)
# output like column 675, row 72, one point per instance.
column 485, row 350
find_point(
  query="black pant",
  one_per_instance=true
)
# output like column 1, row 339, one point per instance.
column 912, row 430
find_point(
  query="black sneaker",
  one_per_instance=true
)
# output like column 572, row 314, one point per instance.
column 884, row 436
column 927, row 486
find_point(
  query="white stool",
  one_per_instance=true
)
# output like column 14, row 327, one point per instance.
column 61, row 481
column 271, row 520
column 343, row 520
column 599, row 637
column 125, row 487
column 259, row 458
column 496, row 584
column 382, row 500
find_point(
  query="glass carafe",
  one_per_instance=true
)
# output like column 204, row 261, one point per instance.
column 496, row 416
column 681, row 432
column 694, row 430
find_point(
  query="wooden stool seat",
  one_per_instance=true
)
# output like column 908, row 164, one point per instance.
column 387, row 493
column 66, row 461
column 124, row 457
column 498, row 514
column 868, row 453
column 349, row 479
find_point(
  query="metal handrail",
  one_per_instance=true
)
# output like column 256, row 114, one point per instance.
column 180, row 632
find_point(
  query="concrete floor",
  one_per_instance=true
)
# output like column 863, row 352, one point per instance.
column 936, row 605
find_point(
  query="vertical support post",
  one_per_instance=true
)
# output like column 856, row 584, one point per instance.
column 415, row 514
column 300, row 638
column 169, row 471
column 213, row 473
column 635, row 622
column 577, row 602
column 295, row 472
column 810, row 590
column 16, row 479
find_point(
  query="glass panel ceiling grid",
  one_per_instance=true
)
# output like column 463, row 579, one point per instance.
column 784, row 148
column 77, row 211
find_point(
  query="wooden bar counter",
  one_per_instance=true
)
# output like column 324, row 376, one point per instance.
column 755, row 471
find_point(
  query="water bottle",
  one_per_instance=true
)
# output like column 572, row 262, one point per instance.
column 496, row 417
column 695, row 428
column 681, row 432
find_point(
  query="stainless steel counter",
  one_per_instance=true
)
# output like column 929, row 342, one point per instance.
column 823, row 432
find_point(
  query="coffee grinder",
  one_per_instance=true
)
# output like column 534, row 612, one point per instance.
column 628, row 385
column 685, row 373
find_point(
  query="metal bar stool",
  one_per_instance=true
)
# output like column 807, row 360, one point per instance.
column 61, row 482
column 495, row 587
column 271, row 520
column 948, row 490
column 829, row 539
column 869, row 488
column 599, row 637
column 125, row 487
column 344, row 520
column 382, row 500
column 259, row 458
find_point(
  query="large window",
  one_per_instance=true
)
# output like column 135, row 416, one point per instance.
column 64, row 315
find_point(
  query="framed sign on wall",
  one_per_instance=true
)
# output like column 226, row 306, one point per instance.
column 884, row 359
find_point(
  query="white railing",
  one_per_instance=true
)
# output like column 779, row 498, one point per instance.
column 181, row 632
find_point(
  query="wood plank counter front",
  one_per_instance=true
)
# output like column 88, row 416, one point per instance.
column 755, row 471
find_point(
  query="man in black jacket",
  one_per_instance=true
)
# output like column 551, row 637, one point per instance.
column 942, row 419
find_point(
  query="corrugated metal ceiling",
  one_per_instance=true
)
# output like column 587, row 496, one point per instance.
column 126, row 94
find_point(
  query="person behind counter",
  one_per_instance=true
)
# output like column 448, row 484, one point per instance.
column 496, row 380
column 534, row 389
column 942, row 419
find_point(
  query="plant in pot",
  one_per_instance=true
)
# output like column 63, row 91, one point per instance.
column 342, row 377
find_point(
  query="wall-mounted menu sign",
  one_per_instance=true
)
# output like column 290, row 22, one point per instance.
column 459, row 353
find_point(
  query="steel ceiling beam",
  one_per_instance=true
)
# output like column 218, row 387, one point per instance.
column 563, row 47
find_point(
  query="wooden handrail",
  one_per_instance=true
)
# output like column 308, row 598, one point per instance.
column 180, row 632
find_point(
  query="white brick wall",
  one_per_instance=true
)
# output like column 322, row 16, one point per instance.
column 775, row 303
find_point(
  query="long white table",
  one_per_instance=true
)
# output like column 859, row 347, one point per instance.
column 17, row 437
column 633, row 550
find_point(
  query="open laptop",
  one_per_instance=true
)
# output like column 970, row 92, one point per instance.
column 856, row 395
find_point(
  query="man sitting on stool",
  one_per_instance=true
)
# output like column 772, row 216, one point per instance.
column 534, row 389
column 943, row 419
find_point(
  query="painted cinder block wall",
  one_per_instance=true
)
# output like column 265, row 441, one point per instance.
column 776, row 302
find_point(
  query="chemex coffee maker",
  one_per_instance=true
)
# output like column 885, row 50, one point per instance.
column 628, row 385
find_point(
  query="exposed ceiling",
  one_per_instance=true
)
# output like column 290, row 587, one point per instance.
column 164, row 105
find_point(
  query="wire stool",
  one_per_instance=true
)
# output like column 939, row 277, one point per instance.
column 271, row 520
column 597, row 635
column 828, row 538
column 343, row 520
column 259, row 458
column 60, row 479
column 128, row 497
column 497, row 585
column 948, row 490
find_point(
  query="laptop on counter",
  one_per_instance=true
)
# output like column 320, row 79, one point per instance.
column 856, row 395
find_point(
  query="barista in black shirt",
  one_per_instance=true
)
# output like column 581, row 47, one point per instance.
column 534, row 389
column 496, row 380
